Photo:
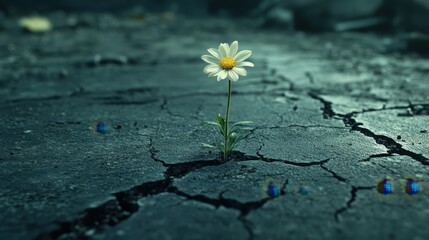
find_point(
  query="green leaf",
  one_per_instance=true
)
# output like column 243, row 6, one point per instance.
column 239, row 139
column 215, row 124
column 240, row 124
column 236, row 133
column 219, row 147
column 212, row 123
column 220, row 120
column 243, row 123
column 242, row 129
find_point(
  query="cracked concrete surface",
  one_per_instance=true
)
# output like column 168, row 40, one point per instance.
column 333, row 116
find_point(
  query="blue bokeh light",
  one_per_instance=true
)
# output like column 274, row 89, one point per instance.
column 102, row 127
column 412, row 187
column 273, row 190
column 385, row 187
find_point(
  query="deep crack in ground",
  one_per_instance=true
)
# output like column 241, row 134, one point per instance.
column 348, row 120
column 125, row 204
column 353, row 194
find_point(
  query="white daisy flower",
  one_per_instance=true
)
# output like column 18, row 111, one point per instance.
column 226, row 62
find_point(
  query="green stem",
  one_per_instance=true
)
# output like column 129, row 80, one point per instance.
column 226, row 131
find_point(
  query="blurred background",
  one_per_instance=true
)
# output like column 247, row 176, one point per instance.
column 308, row 15
column 407, row 20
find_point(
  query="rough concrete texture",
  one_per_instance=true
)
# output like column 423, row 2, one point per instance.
column 333, row 114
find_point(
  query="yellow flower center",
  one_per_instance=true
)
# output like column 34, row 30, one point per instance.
column 227, row 63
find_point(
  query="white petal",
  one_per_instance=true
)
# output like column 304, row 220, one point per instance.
column 210, row 59
column 232, row 75
column 242, row 55
column 211, row 68
column 222, row 75
column 240, row 71
column 215, row 73
column 233, row 49
column 245, row 64
column 223, row 50
column 214, row 52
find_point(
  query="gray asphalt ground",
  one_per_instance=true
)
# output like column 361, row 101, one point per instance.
column 334, row 114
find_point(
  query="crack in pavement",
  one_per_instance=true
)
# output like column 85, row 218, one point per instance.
column 353, row 194
column 134, row 102
column 248, row 226
column 348, row 120
column 327, row 109
column 125, row 203
column 315, row 126
column 334, row 174
column 380, row 155
column 392, row 146
column 179, row 170
column 261, row 157
column 296, row 126
column 109, row 213
column 389, row 143
column 244, row 208
column 329, row 113
column 164, row 107
column 412, row 109
column 79, row 92
column 305, row 164
column 272, row 92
